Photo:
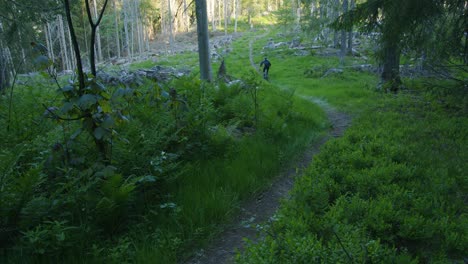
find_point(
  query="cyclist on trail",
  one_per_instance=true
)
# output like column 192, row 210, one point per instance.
column 266, row 66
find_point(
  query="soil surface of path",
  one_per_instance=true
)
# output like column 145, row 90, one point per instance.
column 263, row 206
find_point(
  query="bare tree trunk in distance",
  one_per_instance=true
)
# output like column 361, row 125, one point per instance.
column 116, row 23
column 85, row 35
column 203, row 40
column 225, row 16
column 171, row 33
column 127, row 34
column 220, row 12
column 236, row 10
column 186, row 17
column 343, row 35
column 98, row 35
column 63, row 44
column 72, row 56
column 138, row 26
column 350, row 33
column 213, row 14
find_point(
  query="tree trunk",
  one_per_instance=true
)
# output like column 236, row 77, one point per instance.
column 343, row 35
column 50, row 43
column 132, row 28
column 225, row 17
column 220, row 13
column 98, row 36
column 126, row 30
column 350, row 33
column 4, row 70
column 236, row 10
column 138, row 26
column 63, row 45
column 298, row 12
column 76, row 48
column 116, row 24
column 334, row 16
column 203, row 40
column 186, row 17
column 391, row 66
column 213, row 15
column 94, row 27
column 171, row 30
column 85, row 35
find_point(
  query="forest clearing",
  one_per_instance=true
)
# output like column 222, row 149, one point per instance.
column 145, row 131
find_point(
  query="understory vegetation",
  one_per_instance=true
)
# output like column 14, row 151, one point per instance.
column 151, row 171
column 393, row 189
column 181, row 155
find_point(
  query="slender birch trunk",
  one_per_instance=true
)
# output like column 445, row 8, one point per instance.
column 236, row 10
column 72, row 57
column 98, row 35
column 126, row 29
column 225, row 17
column 203, row 40
column 350, row 33
column 116, row 24
column 171, row 34
column 63, row 45
column 186, row 17
column 220, row 13
column 213, row 15
column 343, row 35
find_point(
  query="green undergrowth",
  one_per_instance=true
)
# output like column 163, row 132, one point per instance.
column 183, row 156
column 391, row 190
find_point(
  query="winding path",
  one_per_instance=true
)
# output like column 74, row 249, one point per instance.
column 262, row 207
column 252, row 62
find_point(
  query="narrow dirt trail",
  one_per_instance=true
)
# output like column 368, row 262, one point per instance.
column 252, row 62
column 262, row 207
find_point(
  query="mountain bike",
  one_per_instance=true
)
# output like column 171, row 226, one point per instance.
column 265, row 75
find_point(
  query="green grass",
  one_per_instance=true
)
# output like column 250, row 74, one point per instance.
column 392, row 190
column 350, row 91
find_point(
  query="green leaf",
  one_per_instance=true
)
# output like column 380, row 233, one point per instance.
column 147, row 179
column 61, row 237
column 76, row 134
column 88, row 124
column 108, row 122
column 98, row 87
column 99, row 132
column 86, row 101
column 105, row 106
column 66, row 107
column 68, row 88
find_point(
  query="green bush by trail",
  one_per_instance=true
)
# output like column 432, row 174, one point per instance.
column 391, row 190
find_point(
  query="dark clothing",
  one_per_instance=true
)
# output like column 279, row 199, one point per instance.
column 266, row 65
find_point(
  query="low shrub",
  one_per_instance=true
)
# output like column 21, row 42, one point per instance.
column 392, row 190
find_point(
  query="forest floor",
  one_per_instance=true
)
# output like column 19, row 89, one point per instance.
column 261, row 208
